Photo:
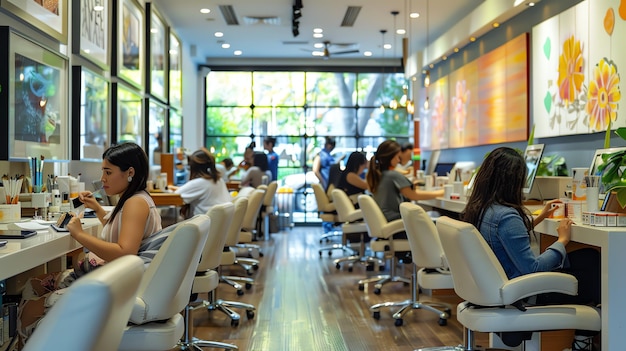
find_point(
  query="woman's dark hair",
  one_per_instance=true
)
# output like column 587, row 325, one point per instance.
column 260, row 160
column 499, row 180
column 406, row 146
column 228, row 162
column 329, row 141
column 124, row 156
column 202, row 165
column 355, row 160
column 381, row 161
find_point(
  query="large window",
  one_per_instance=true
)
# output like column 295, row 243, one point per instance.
column 300, row 109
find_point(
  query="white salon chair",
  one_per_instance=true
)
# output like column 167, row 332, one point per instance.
column 328, row 213
column 98, row 306
column 489, row 295
column 155, row 321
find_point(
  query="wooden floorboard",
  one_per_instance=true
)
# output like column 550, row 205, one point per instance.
column 304, row 303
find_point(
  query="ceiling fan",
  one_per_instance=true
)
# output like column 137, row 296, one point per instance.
column 325, row 53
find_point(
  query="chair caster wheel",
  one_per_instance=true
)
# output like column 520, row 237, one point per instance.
column 250, row 314
column 361, row 287
column 338, row 266
column 443, row 322
column 249, row 272
column 330, row 253
column 239, row 292
column 320, row 252
column 255, row 267
column 448, row 312
column 377, row 291
column 261, row 254
column 398, row 322
column 350, row 269
column 234, row 322
column 376, row 315
column 248, row 286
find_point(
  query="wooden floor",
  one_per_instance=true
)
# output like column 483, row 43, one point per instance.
column 304, row 303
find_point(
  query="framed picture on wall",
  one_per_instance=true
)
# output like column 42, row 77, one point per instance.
column 129, row 115
column 176, row 73
column 130, row 42
column 35, row 118
column 90, row 115
column 48, row 16
column 158, row 52
column 92, row 19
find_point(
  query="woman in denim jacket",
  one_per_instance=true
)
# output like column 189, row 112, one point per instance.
column 495, row 207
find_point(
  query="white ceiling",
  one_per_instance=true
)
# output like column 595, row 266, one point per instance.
column 272, row 43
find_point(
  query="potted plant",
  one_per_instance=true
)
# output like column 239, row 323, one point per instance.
column 613, row 175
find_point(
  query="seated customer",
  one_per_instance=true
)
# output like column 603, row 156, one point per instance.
column 134, row 220
column 227, row 168
column 254, row 175
column 390, row 188
column 406, row 154
column 495, row 208
column 350, row 179
column 205, row 187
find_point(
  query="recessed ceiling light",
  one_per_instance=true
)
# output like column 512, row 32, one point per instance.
column 318, row 35
column 432, row 66
column 318, row 30
column 496, row 24
column 401, row 31
column 444, row 57
column 218, row 34
column 367, row 53
column 205, row 11
column 456, row 49
column 387, row 46
column 225, row 46
column 531, row 4
column 414, row 15
column 318, row 45
column 317, row 53
column 472, row 39
column 237, row 52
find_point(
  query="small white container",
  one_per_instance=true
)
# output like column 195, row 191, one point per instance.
column 10, row 213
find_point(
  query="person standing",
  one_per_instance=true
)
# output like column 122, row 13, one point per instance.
column 272, row 156
column 323, row 161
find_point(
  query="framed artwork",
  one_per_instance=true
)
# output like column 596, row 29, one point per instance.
column 90, row 115
column 49, row 16
column 175, row 124
column 93, row 21
column 130, row 43
column 157, row 130
column 176, row 73
column 158, row 52
column 35, row 115
column 129, row 115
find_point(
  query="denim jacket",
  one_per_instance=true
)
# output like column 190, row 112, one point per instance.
column 504, row 230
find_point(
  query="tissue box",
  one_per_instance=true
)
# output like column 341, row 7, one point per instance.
column 10, row 213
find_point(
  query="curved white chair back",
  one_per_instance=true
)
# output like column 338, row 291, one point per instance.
column 270, row 192
column 373, row 216
column 255, row 200
column 98, row 306
column 423, row 238
column 323, row 202
column 241, row 205
column 221, row 215
column 344, row 206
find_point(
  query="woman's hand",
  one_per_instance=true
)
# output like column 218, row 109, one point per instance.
column 74, row 226
column 88, row 200
column 548, row 209
column 565, row 230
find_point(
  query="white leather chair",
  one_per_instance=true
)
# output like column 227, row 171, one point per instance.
column 489, row 295
column 427, row 254
column 267, row 208
column 155, row 321
column 98, row 306
column 354, row 230
column 383, row 232
column 248, row 231
column 328, row 213
column 229, row 255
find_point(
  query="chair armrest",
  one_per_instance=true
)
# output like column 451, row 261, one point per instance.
column 391, row 228
column 538, row 283
column 355, row 216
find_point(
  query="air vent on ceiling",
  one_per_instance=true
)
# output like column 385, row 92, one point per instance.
column 271, row 20
column 228, row 12
column 350, row 16
column 296, row 42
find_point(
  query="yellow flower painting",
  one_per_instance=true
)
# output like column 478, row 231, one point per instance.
column 571, row 75
column 603, row 95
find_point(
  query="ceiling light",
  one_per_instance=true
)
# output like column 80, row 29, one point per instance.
column 444, row 57
column 367, row 53
column 297, row 13
column 401, row 31
column 318, row 35
column 472, row 39
column 427, row 79
column 205, row 11
column 218, row 34
column 414, row 15
column 318, row 45
column 225, row 46
column 456, row 49
column 237, row 52
column 496, row 24
column 531, row 4
column 317, row 30
column 387, row 46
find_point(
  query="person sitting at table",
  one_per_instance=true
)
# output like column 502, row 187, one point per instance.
column 254, row 175
column 226, row 167
column 350, row 179
column 134, row 220
column 205, row 187
column 389, row 187
column 406, row 154
column 496, row 209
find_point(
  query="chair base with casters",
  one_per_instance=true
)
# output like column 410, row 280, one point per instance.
column 352, row 230
column 190, row 342
column 413, row 303
column 380, row 280
column 230, row 257
column 209, row 282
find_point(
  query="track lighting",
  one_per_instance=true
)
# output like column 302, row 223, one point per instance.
column 296, row 14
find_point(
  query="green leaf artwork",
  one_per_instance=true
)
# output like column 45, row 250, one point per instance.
column 547, row 46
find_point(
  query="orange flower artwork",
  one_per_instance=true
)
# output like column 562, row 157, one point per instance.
column 459, row 105
column 603, row 95
column 570, row 70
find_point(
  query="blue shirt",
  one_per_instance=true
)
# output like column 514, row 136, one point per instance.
column 326, row 160
column 272, row 163
column 505, row 232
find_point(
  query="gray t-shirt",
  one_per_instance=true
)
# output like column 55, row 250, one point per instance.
column 388, row 196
